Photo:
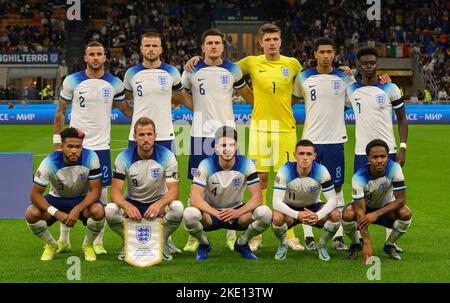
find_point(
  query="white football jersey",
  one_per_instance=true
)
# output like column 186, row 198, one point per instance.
column 212, row 92
column 68, row 181
column 146, row 179
column 373, row 106
column 303, row 192
column 152, row 94
column 91, row 106
column 378, row 192
column 225, row 188
column 325, row 103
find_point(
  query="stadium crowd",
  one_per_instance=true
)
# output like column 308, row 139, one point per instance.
column 419, row 27
column 424, row 31
column 44, row 33
column 125, row 22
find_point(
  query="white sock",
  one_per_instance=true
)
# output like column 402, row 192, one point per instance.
column 329, row 229
column 398, row 229
column 350, row 231
column 307, row 230
column 189, row 235
column 40, row 230
column 191, row 221
column 172, row 218
column 388, row 232
column 231, row 233
column 280, row 233
column 114, row 218
column 104, row 196
column 262, row 216
column 104, row 200
column 339, row 232
column 64, row 233
column 93, row 229
column 340, row 207
column 99, row 238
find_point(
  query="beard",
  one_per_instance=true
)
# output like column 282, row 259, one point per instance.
column 95, row 69
column 68, row 160
column 152, row 59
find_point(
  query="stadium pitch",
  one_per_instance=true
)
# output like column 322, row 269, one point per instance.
column 426, row 247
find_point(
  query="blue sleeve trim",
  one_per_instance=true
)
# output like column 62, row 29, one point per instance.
column 253, row 181
column 358, row 197
column 280, row 188
column 178, row 87
column 398, row 106
column 399, row 188
column 40, row 184
column 240, row 84
column 198, row 183
column 327, row 189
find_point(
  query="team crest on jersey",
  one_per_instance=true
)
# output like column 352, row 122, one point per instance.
column 354, row 191
column 106, row 93
column 143, row 233
column 383, row 186
column 38, row 173
column 156, row 173
column 381, row 99
column 162, row 80
column 224, row 80
column 285, row 72
column 313, row 189
column 237, row 182
column 336, row 85
column 82, row 176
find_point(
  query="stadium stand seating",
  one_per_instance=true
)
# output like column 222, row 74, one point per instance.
column 419, row 29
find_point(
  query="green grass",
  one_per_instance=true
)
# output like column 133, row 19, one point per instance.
column 426, row 245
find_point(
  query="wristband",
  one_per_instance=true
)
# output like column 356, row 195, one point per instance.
column 56, row 139
column 403, row 145
column 52, row 210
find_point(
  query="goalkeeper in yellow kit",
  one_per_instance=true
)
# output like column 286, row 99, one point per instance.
column 272, row 126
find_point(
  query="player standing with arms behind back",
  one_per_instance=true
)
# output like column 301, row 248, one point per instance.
column 151, row 84
column 92, row 93
column 372, row 104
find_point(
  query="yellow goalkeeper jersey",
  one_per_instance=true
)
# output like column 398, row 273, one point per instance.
column 272, row 88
